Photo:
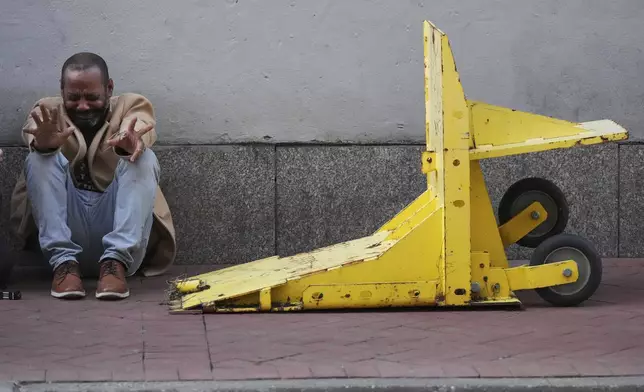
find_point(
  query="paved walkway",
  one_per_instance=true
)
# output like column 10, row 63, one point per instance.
column 44, row 339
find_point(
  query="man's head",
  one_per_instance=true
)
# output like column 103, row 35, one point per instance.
column 86, row 89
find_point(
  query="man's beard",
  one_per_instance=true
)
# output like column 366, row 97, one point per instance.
column 88, row 120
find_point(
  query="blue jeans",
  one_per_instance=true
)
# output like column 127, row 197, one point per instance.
column 89, row 227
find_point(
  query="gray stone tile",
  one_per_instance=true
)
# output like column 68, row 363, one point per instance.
column 631, row 199
column 222, row 200
column 10, row 169
column 330, row 194
column 586, row 175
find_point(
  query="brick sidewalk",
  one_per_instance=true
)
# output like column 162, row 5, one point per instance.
column 44, row 339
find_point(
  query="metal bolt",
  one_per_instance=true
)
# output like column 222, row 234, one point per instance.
column 416, row 293
column 535, row 215
column 496, row 287
column 567, row 272
column 476, row 287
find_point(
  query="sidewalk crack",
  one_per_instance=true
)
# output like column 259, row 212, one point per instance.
column 143, row 343
column 263, row 361
column 205, row 332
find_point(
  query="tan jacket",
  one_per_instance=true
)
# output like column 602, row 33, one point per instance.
column 102, row 160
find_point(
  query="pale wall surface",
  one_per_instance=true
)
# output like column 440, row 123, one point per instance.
column 301, row 71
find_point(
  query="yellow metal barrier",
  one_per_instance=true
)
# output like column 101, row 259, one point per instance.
column 445, row 248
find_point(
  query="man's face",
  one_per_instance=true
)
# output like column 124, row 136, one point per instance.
column 86, row 97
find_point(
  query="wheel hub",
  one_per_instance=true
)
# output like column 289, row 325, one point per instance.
column 583, row 265
column 524, row 200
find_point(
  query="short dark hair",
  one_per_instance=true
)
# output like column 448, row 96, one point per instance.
column 82, row 61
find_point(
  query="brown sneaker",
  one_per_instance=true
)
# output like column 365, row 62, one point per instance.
column 111, row 281
column 67, row 281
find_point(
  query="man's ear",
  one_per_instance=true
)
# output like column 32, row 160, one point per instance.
column 110, row 88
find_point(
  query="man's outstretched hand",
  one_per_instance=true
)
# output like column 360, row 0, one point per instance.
column 47, row 133
column 131, row 141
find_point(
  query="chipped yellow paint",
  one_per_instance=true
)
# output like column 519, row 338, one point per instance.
column 244, row 279
column 585, row 138
column 444, row 248
column 497, row 285
column 428, row 162
column 189, row 286
column 432, row 49
column 232, row 310
column 265, row 300
column 480, row 270
column 498, row 126
column 499, row 131
column 435, row 132
column 457, row 190
column 547, row 275
column 523, row 223
column 369, row 295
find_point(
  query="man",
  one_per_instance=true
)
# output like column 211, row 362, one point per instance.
column 90, row 190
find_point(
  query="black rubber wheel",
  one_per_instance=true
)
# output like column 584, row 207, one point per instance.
column 525, row 192
column 570, row 247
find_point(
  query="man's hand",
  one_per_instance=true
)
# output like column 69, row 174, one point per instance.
column 47, row 133
column 131, row 141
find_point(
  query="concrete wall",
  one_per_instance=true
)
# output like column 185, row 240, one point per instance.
column 283, row 73
column 264, row 200
column 300, row 71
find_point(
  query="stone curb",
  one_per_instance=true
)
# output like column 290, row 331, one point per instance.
column 350, row 385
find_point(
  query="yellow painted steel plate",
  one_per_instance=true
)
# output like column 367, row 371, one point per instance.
column 251, row 277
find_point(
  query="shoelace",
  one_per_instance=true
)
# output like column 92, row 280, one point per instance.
column 64, row 270
column 109, row 268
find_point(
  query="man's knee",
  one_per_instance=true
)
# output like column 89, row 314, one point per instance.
column 37, row 159
column 146, row 165
column 149, row 158
column 37, row 164
column 149, row 161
